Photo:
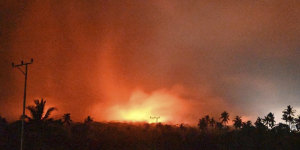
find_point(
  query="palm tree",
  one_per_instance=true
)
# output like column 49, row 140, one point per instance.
column 37, row 111
column 288, row 115
column 259, row 123
column 269, row 120
column 237, row 122
column 88, row 120
column 67, row 118
column 224, row 117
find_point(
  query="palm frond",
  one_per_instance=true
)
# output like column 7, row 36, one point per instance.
column 49, row 112
column 32, row 110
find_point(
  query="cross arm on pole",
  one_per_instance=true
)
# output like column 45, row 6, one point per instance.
column 22, row 64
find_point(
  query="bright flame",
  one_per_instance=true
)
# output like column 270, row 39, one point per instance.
column 171, row 105
column 141, row 106
column 135, row 114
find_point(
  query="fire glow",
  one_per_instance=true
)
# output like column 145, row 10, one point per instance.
column 142, row 105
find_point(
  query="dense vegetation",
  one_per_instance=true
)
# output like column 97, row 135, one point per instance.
column 43, row 132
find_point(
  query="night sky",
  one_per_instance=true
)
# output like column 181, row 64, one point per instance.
column 128, row 60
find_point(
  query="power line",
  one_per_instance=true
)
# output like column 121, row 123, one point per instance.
column 20, row 67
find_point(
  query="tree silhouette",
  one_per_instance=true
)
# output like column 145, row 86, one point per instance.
column 247, row 125
column 3, row 132
column 288, row 115
column 297, row 122
column 224, row 118
column 219, row 125
column 212, row 122
column 285, row 118
column 88, row 120
column 237, row 122
column 116, row 135
column 2, row 120
column 203, row 123
column 269, row 120
column 281, row 129
column 67, row 119
column 207, row 118
column 181, row 126
column 37, row 111
column 259, row 123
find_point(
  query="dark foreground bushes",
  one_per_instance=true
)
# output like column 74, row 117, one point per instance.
column 53, row 135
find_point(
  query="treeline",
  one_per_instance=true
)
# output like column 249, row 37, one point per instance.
column 45, row 133
column 267, row 122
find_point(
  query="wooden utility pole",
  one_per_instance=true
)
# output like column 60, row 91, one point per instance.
column 20, row 67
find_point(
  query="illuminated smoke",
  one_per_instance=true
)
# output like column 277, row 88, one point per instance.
column 99, row 58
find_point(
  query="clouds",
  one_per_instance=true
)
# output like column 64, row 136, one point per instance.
column 98, row 52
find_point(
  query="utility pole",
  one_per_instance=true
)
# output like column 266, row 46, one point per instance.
column 155, row 117
column 20, row 67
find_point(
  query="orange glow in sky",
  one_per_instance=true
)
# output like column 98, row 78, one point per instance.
column 141, row 105
column 129, row 60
